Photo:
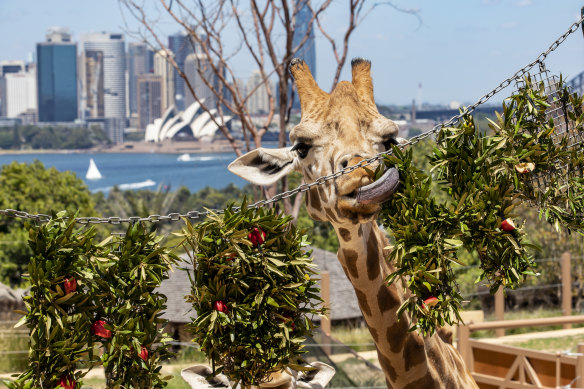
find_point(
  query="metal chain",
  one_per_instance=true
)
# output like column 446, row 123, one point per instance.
column 194, row 215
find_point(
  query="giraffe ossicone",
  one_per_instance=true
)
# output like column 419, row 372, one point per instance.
column 337, row 130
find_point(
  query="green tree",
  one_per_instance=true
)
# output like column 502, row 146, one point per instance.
column 34, row 189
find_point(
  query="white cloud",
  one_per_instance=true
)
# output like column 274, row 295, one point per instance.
column 524, row 3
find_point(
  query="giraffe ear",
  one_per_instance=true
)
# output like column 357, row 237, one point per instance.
column 264, row 166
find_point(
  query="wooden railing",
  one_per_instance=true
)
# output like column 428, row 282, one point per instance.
column 504, row 367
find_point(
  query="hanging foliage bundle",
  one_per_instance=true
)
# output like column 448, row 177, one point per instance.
column 85, row 296
column 254, row 292
column 520, row 162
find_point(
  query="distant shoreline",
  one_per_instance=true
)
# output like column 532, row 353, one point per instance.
column 167, row 147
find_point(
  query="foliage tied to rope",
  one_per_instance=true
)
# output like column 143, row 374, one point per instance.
column 86, row 295
column 254, row 292
column 486, row 177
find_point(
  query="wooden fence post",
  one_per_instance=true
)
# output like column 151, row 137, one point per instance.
column 580, row 367
column 325, row 321
column 463, row 346
column 566, row 287
column 499, row 310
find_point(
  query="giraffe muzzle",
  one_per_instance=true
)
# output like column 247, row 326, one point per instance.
column 380, row 190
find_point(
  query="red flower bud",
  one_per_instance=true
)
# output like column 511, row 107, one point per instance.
column 507, row 225
column 230, row 256
column 257, row 236
column 67, row 382
column 220, row 306
column 98, row 328
column 144, row 353
column 70, row 285
column 431, row 301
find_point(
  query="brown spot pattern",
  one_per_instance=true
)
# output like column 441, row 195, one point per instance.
column 331, row 215
column 351, row 258
column 426, row 382
column 373, row 265
column 374, row 334
column 345, row 234
column 387, row 298
column 386, row 366
column 322, row 193
column 314, row 200
column 362, row 298
column 414, row 353
column 395, row 335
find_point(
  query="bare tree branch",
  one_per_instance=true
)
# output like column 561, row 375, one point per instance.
column 267, row 36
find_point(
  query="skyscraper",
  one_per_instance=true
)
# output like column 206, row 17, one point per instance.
column 57, row 77
column 140, row 61
column 103, row 81
column 150, row 90
column 181, row 46
column 11, row 66
column 200, row 75
column 259, row 101
column 19, row 93
column 307, row 51
column 164, row 69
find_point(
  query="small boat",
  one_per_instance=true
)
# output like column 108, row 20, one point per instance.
column 137, row 185
column 184, row 158
column 93, row 172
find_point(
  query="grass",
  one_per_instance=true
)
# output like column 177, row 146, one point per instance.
column 562, row 344
column 13, row 347
column 517, row 315
column 357, row 337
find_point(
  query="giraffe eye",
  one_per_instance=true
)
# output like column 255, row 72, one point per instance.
column 389, row 142
column 301, row 149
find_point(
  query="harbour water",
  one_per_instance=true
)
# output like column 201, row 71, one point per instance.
column 147, row 171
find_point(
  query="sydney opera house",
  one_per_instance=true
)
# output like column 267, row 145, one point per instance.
column 194, row 120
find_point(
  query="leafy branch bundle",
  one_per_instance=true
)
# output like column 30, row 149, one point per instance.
column 486, row 176
column 84, row 294
column 253, row 292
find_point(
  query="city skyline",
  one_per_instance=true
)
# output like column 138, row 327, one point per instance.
column 458, row 52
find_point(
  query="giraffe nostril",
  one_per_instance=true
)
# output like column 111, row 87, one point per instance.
column 344, row 164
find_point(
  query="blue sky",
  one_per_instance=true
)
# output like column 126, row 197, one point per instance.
column 460, row 51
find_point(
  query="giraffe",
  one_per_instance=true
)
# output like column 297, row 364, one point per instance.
column 339, row 130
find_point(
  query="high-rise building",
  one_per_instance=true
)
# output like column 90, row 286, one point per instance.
column 92, row 84
column 201, row 77
column 140, row 61
column 258, row 102
column 103, row 81
column 302, row 23
column 181, row 45
column 307, row 51
column 19, row 93
column 11, row 66
column 165, row 69
column 150, row 90
column 57, row 77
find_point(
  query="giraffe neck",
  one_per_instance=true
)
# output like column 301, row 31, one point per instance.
column 408, row 360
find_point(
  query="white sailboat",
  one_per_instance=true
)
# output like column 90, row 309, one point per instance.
column 93, row 172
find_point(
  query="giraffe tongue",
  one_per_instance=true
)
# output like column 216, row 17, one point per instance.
column 380, row 190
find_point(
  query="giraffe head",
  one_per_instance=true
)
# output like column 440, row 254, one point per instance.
column 337, row 130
